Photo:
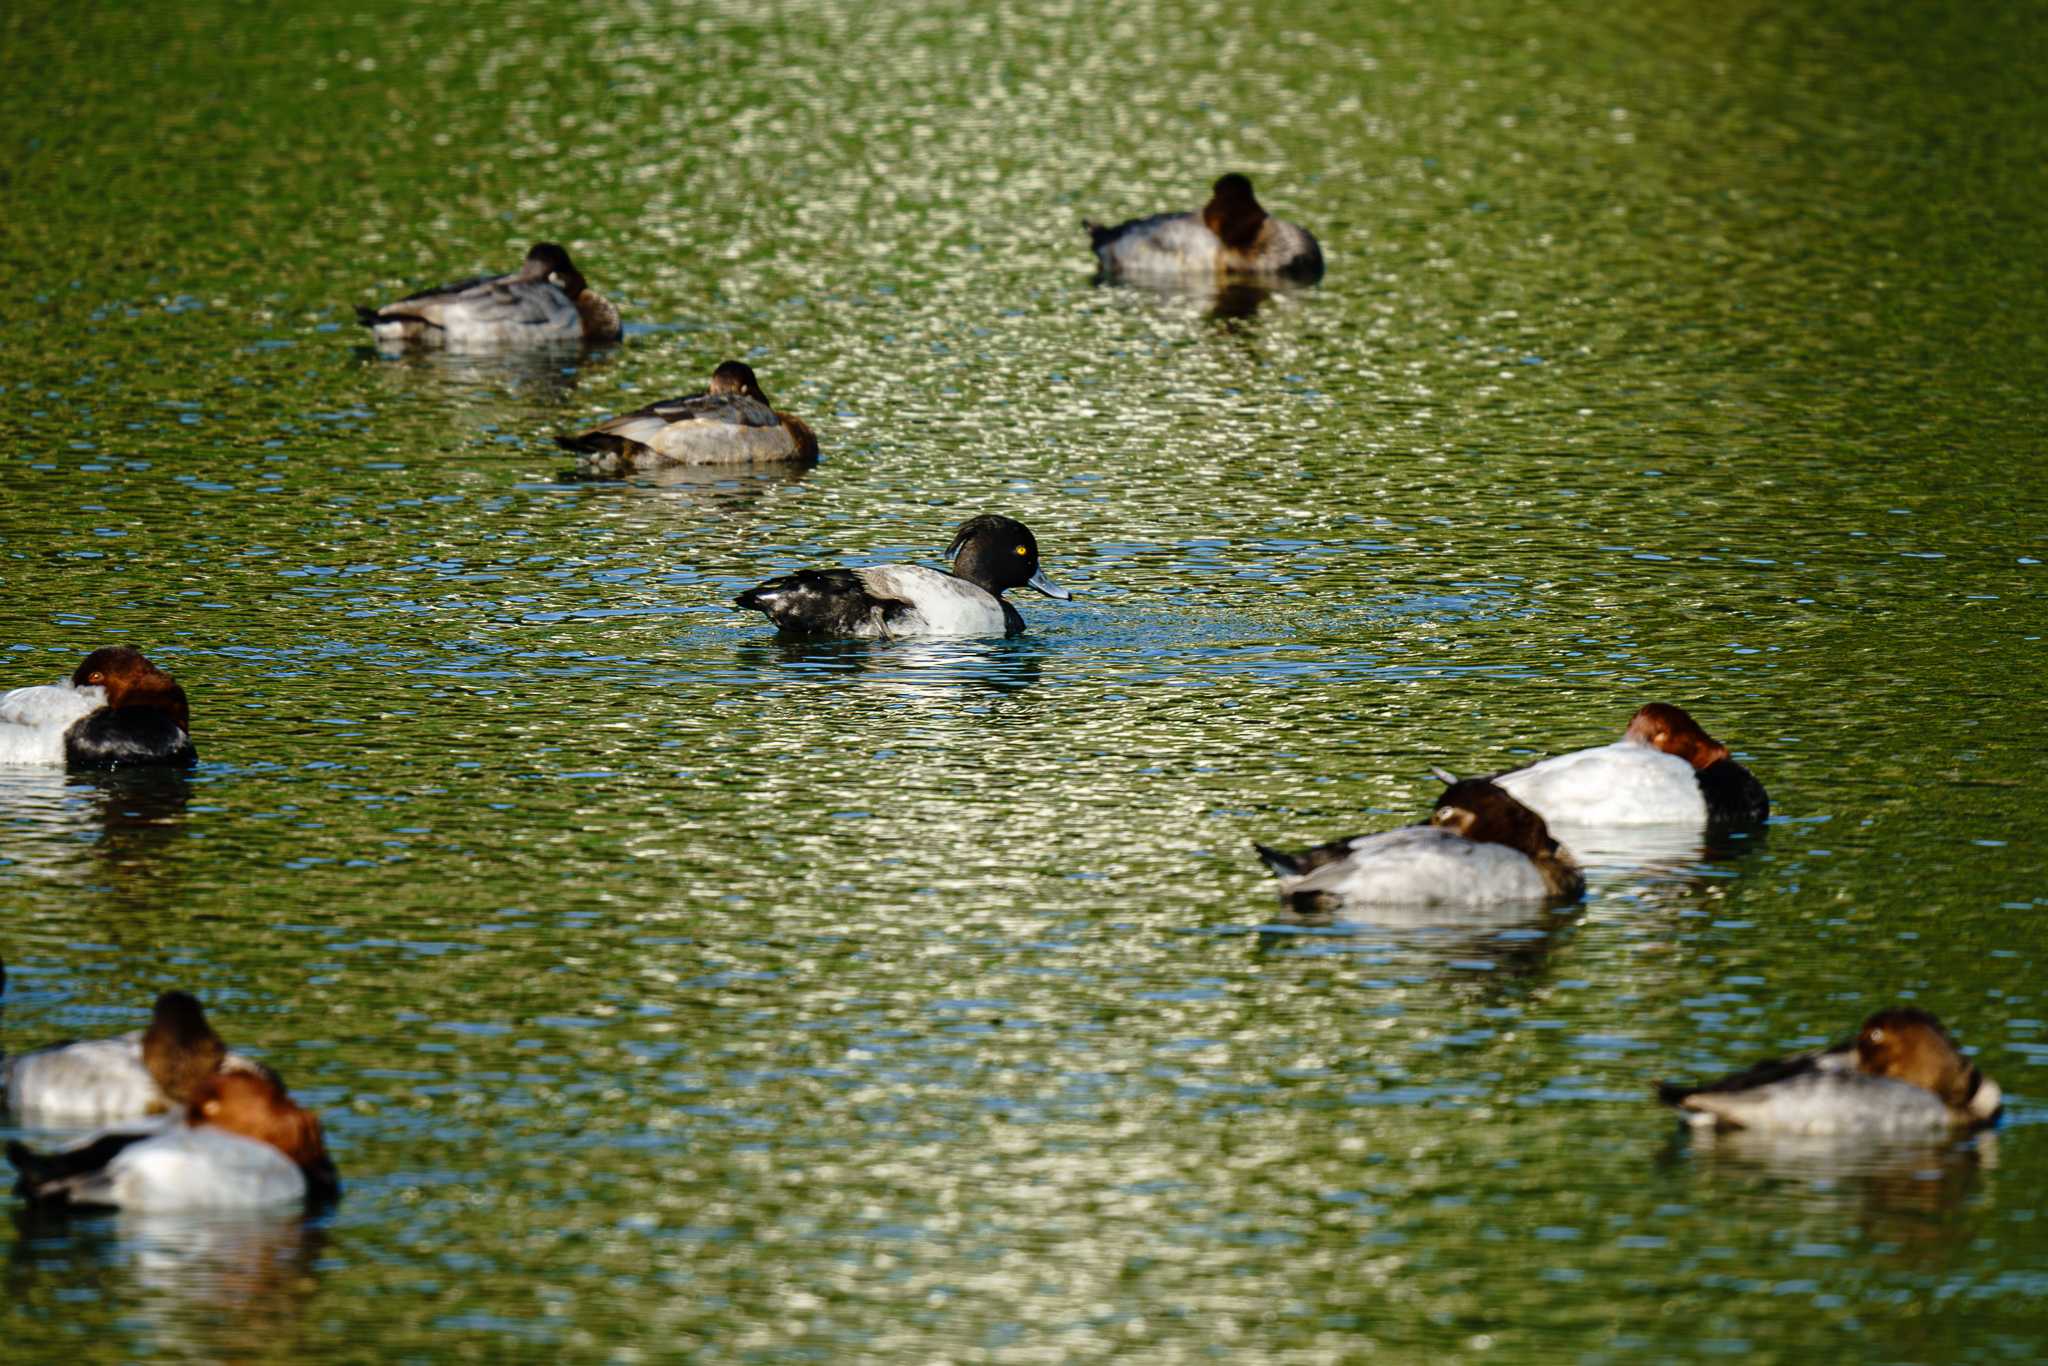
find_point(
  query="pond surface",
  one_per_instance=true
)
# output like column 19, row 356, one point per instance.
column 670, row 991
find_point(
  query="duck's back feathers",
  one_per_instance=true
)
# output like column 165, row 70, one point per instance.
column 1837, row 1058
column 1417, row 865
column 33, row 721
column 834, row 602
column 545, row 301
column 502, row 310
column 1162, row 245
column 1814, row 1100
column 90, row 1081
column 184, row 1168
column 703, row 429
column 880, row 602
column 1619, row 784
column 95, row 1081
column 55, row 705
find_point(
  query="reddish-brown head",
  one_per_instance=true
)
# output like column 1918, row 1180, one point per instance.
column 1663, row 726
column 737, row 377
column 547, row 260
column 180, row 1049
column 1233, row 212
column 131, row 680
column 257, row 1107
column 1487, row 814
column 1910, row 1045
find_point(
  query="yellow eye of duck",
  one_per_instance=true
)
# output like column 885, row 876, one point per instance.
column 1023, row 550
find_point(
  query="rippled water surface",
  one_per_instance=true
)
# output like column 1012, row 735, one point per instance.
column 671, row 991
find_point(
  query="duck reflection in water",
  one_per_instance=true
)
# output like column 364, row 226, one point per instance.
column 653, row 496
column 210, row 1286
column 1490, row 947
column 549, row 373
column 1223, row 300
column 918, row 667
column 1904, row 1195
column 123, row 820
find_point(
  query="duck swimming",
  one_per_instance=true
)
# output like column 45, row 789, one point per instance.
column 130, row 1076
column 242, row 1143
column 1664, row 770
column 1232, row 235
column 990, row 554
column 730, row 423
column 1901, row 1075
column 117, row 710
column 1479, row 847
column 545, row 301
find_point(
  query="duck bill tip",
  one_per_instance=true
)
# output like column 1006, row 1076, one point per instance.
column 1046, row 586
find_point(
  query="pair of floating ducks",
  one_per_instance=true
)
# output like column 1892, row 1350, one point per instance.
column 197, row 1127
column 1488, row 841
column 193, row 1126
column 548, row 300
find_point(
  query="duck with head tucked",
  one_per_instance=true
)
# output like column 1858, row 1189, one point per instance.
column 730, row 423
column 241, row 1143
column 1901, row 1076
column 1664, row 770
column 117, row 710
column 1231, row 237
column 545, row 302
column 990, row 553
column 127, row 1077
column 1480, row 847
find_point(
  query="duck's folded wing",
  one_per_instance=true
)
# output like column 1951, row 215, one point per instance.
column 703, row 429
column 195, row 1168
column 1100, row 236
column 1816, row 1100
column 1619, row 784
column 178, row 1168
column 1163, row 245
column 59, row 1176
column 739, row 410
column 501, row 305
column 1418, row 865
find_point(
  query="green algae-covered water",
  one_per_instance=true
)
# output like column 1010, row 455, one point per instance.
column 671, row 992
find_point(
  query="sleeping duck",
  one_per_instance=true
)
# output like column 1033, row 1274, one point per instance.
column 1664, row 770
column 241, row 1143
column 127, row 1077
column 1480, row 847
column 1901, row 1075
column 545, row 301
column 730, row 423
column 990, row 554
column 117, row 710
column 1231, row 236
